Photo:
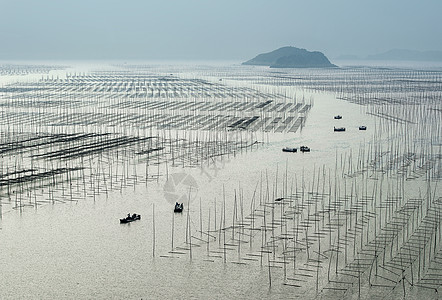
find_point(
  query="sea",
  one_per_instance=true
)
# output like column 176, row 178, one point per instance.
column 85, row 143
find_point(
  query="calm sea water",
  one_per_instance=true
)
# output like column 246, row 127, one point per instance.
column 79, row 250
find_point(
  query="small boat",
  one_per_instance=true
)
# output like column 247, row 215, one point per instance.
column 304, row 149
column 362, row 127
column 130, row 218
column 288, row 149
column 178, row 207
column 338, row 128
column 338, row 117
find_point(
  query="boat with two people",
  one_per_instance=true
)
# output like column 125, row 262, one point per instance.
column 304, row 149
column 178, row 207
column 362, row 127
column 130, row 218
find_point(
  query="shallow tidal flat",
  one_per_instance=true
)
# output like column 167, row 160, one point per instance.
column 357, row 217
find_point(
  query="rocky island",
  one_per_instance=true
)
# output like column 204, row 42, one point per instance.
column 291, row 57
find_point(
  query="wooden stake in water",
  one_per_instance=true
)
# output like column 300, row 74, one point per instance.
column 224, row 223
column 270, row 273
column 208, row 234
column 188, row 227
column 201, row 220
column 173, row 225
column 153, row 229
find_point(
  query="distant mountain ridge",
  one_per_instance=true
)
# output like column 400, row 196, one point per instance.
column 411, row 55
column 398, row 55
column 291, row 57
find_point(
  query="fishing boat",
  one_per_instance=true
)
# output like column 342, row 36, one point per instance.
column 130, row 218
column 338, row 117
column 288, row 149
column 338, row 128
column 178, row 207
column 304, row 149
column 362, row 127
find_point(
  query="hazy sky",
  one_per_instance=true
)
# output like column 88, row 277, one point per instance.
column 213, row 29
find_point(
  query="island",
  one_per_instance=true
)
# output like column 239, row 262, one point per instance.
column 291, row 57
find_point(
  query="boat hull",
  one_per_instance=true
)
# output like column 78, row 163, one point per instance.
column 130, row 219
column 304, row 149
column 178, row 208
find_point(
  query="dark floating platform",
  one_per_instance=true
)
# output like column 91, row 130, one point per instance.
column 130, row 218
column 293, row 150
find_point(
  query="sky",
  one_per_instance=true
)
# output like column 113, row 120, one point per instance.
column 213, row 29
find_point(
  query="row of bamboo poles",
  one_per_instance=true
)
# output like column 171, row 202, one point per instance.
column 369, row 225
column 370, row 220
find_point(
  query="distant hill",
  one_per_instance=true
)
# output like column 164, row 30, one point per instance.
column 410, row 55
column 291, row 57
column 348, row 57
